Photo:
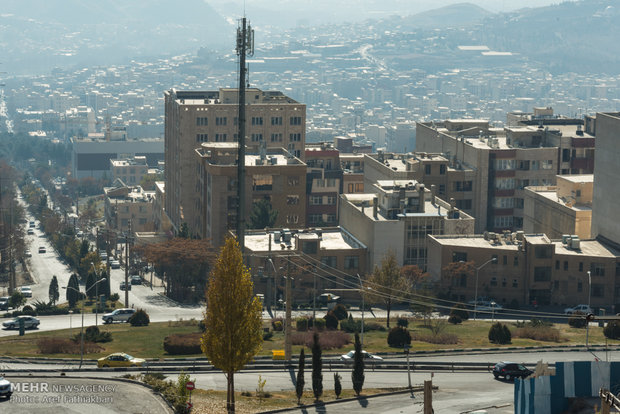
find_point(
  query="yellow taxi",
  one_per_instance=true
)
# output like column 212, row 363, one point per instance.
column 119, row 360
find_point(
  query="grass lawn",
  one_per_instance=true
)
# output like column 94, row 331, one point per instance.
column 147, row 342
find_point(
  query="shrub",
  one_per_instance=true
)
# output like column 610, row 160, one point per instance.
column 539, row 333
column 440, row 338
column 398, row 337
column 539, row 323
column 612, row 330
column 140, row 318
column 499, row 334
column 340, row 311
column 374, row 326
column 402, row 322
column 319, row 324
column 183, row 344
column 301, row 324
column 455, row 319
column 114, row 297
column 331, row 321
column 327, row 339
column 578, row 320
column 267, row 335
column 92, row 334
column 460, row 311
column 350, row 325
column 277, row 324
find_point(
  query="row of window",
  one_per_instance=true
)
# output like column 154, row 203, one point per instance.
column 428, row 169
column 524, row 165
column 319, row 218
column 255, row 120
column 318, row 200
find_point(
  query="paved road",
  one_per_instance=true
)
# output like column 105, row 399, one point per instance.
column 53, row 395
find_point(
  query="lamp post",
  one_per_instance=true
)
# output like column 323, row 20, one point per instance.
column 82, row 310
column 275, row 287
column 589, row 298
column 494, row 259
column 96, row 295
column 363, row 306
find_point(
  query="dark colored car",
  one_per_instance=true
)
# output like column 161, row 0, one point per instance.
column 510, row 370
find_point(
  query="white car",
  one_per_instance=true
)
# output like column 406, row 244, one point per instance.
column 26, row 291
column 6, row 389
column 585, row 309
column 350, row 356
column 29, row 322
column 119, row 315
column 115, row 264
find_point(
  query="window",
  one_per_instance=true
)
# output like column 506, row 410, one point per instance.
column 442, row 189
column 351, row 262
column 257, row 120
column 504, row 183
column 329, row 261
column 292, row 218
column 542, row 274
column 220, row 137
column 505, row 260
column 597, row 269
column 503, row 222
column 235, row 121
column 292, row 200
column 505, row 164
column 276, row 120
column 503, row 202
column 462, row 186
column 202, row 121
column 581, row 267
column 515, row 283
column 493, row 281
column 459, row 256
column 257, row 137
column 202, row 137
column 579, row 286
column 543, row 252
column 565, row 265
column 331, row 200
column 557, row 265
column 315, row 218
column 547, row 165
column 293, row 181
column 598, row 290
column 276, row 137
column 503, row 282
column 442, row 169
column 330, row 218
column 427, row 169
column 463, row 204
column 262, row 182
column 295, row 120
column 565, row 155
column 295, row 137
column 220, row 120
column 316, row 200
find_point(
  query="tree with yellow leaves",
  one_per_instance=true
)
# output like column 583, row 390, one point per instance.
column 233, row 318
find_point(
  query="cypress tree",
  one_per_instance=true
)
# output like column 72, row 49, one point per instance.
column 357, row 376
column 337, row 385
column 299, row 386
column 317, row 368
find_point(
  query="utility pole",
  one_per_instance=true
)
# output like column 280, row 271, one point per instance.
column 245, row 46
column 127, row 266
column 288, row 349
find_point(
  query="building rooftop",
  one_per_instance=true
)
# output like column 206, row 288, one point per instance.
column 334, row 238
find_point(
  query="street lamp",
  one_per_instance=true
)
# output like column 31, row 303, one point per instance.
column 275, row 287
column 494, row 260
column 363, row 306
column 82, row 310
column 589, row 298
column 96, row 295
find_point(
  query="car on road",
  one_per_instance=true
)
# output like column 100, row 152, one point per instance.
column 510, row 370
column 29, row 322
column 27, row 253
column 489, row 307
column 350, row 356
column 115, row 264
column 124, row 286
column 120, row 360
column 103, row 254
column 4, row 303
column 6, row 388
column 136, row 280
column 31, row 225
column 30, row 231
column 119, row 315
column 26, row 291
column 42, row 249
column 585, row 309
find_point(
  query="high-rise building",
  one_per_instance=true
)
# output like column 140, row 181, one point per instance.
column 196, row 117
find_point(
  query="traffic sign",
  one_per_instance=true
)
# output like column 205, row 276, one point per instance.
column 189, row 385
column 189, row 405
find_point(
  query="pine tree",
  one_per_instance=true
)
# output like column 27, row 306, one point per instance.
column 299, row 386
column 357, row 376
column 233, row 318
column 73, row 289
column 262, row 215
column 91, row 278
column 317, row 368
column 53, row 292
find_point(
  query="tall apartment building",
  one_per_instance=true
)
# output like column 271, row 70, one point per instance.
column 196, row 117
column 275, row 175
column 502, row 166
column 565, row 208
column 605, row 223
column 398, row 217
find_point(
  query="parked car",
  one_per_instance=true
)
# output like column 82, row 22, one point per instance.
column 6, row 388
column 510, row 370
column 115, row 264
column 26, row 291
column 136, row 280
column 30, row 231
column 119, row 359
column 350, row 356
column 29, row 322
column 31, row 225
column 124, row 286
column 585, row 309
column 4, row 303
column 42, row 249
column 103, row 254
column 119, row 315
column 27, row 253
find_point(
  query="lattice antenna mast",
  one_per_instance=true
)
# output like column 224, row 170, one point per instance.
column 245, row 47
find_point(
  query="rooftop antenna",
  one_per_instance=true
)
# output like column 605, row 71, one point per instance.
column 245, row 46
